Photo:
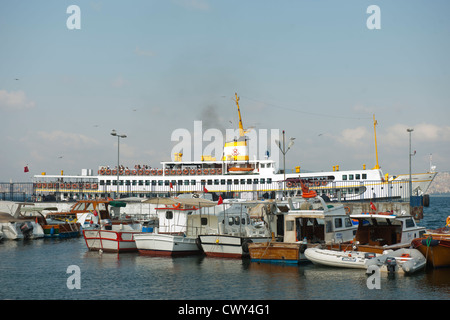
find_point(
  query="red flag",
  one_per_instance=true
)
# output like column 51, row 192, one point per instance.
column 171, row 185
column 204, row 189
column 25, row 169
column 220, row 200
column 372, row 206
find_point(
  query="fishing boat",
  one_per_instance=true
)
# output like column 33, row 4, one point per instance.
column 111, row 235
column 11, row 228
column 170, row 237
column 380, row 231
column 46, row 227
column 435, row 246
column 234, row 231
column 235, row 173
column 306, row 222
column 342, row 259
column 405, row 260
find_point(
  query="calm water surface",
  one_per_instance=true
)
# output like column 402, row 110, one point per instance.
column 37, row 270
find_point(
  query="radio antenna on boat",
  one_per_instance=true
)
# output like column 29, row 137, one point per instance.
column 375, row 122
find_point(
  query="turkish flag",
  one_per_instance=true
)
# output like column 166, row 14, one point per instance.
column 372, row 206
column 220, row 200
column 204, row 189
column 25, row 169
column 171, row 185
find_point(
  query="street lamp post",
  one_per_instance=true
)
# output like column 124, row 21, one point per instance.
column 115, row 134
column 284, row 151
column 410, row 176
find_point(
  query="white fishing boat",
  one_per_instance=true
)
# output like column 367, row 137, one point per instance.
column 405, row 260
column 170, row 236
column 108, row 235
column 306, row 222
column 11, row 227
column 233, row 233
column 342, row 259
column 234, row 173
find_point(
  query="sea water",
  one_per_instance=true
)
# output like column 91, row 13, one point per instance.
column 52, row 269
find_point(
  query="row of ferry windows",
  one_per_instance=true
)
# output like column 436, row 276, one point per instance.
column 185, row 182
column 354, row 176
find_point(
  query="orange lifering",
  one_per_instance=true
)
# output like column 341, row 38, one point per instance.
column 213, row 171
column 289, row 184
column 133, row 172
column 185, row 171
column 205, row 171
column 173, row 172
column 159, row 172
column 87, row 186
column 108, row 172
column 317, row 183
column 68, row 185
column 153, row 172
column 94, row 186
column 219, row 171
column 147, row 172
column 74, row 186
column 192, row 171
column 127, row 172
column 166, row 172
column 178, row 172
column 141, row 172
column 102, row 172
column 39, row 185
column 199, row 171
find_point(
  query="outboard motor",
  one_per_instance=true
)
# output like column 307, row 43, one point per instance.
column 27, row 229
column 391, row 263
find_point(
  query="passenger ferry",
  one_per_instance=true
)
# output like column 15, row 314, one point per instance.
column 235, row 175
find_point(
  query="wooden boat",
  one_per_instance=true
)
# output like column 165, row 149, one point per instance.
column 169, row 238
column 435, row 246
column 403, row 260
column 306, row 222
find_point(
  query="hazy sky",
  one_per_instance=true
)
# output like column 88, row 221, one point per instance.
column 147, row 68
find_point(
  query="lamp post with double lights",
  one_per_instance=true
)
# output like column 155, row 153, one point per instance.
column 115, row 134
column 284, row 151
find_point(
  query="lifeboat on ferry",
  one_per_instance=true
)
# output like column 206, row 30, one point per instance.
column 240, row 170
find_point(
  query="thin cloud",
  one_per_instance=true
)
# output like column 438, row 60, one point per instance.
column 15, row 100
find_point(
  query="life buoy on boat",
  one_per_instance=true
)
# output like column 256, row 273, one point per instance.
column 192, row 172
column 166, row 172
column 199, row 171
column 153, row 172
column 212, row 171
column 185, row 172
column 219, row 171
column 108, row 172
column 141, row 172
column 160, row 172
column 179, row 172
column 205, row 171
column 289, row 184
column 447, row 222
column 133, row 172
column 147, row 172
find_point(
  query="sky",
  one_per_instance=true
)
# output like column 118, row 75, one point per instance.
column 149, row 69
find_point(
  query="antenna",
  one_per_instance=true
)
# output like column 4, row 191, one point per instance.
column 375, row 122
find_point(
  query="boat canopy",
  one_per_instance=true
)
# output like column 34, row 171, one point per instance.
column 117, row 204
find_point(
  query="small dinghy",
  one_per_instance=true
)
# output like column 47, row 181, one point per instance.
column 402, row 260
column 343, row 259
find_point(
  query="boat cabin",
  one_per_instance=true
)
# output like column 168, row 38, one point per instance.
column 314, row 220
column 386, row 229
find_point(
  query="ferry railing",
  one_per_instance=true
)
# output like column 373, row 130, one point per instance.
column 252, row 189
